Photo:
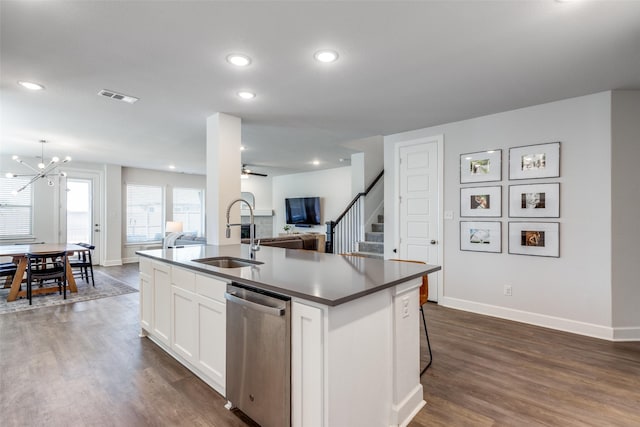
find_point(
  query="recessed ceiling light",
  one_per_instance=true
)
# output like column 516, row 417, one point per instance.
column 315, row 162
column 326, row 55
column 238, row 59
column 242, row 148
column 31, row 85
column 172, row 166
column 246, row 95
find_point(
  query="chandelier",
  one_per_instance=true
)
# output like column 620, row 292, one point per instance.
column 44, row 171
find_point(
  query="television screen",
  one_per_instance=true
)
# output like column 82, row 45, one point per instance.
column 302, row 210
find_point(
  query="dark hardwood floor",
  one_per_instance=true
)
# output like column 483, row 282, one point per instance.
column 84, row 365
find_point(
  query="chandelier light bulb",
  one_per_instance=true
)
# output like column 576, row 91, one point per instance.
column 10, row 175
column 14, row 157
column 40, row 165
column 238, row 60
column 55, row 159
column 67, row 159
column 246, row 95
column 326, row 56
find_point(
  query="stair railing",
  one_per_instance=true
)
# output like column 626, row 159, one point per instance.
column 344, row 233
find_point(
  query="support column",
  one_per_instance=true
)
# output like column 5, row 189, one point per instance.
column 223, row 177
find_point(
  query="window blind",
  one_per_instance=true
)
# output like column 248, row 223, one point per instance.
column 188, row 208
column 144, row 213
column 16, row 210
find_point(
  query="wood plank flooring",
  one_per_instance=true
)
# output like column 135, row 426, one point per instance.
column 84, row 365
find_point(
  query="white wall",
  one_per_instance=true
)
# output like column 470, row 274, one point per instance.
column 261, row 187
column 333, row 186
column 572, row 292
column 626, row 213
column 114, row 213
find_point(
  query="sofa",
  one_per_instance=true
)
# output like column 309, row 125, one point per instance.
column 294, row 241
column 190, row 239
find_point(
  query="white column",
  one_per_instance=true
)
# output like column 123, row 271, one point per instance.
column 223, row 177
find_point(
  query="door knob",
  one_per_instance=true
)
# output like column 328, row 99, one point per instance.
column 433, row 242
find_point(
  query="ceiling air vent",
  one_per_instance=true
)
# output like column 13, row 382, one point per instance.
column 118, row 96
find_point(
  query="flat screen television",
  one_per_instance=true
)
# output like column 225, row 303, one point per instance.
column 302, row 211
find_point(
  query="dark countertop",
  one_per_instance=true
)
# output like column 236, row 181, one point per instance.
column 324, row 278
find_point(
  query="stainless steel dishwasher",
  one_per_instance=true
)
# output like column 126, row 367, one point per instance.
column 259, row 355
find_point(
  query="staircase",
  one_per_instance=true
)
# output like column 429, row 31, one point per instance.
column 373, row 245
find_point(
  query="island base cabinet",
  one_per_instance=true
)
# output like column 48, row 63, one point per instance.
column 184, row 338
column 193, row 314
column 357, row 363
column 155, row 296
column 212, row 323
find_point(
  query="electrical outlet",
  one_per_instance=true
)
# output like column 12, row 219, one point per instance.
column 405, row 307
column 507, row 290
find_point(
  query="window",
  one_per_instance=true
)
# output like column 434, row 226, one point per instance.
column 188, row 208
column 144, row 213
column 16, row 210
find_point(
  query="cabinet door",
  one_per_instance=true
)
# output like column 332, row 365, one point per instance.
column 183, row 326
column 146, row 301
column 307, row 365
column 161, row 303
column 212, row 335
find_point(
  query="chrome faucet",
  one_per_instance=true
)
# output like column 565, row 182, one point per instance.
column 254, row 247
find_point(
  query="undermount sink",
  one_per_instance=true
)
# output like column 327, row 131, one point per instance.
column 227, row 262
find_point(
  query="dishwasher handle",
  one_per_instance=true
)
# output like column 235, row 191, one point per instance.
column 276, row 311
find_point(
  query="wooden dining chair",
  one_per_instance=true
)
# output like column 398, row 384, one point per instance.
column 83, row 264
column 424, row 296
column 47, row 266
column 8, row 270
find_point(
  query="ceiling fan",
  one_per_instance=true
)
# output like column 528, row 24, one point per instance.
column 246, row 171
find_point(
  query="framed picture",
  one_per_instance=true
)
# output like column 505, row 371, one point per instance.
column 481, row 166
column 534, row 238
column 534, row 201
column 481, row 236
column 481, row 201
column 535, row 161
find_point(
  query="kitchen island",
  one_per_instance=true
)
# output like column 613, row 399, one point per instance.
column 355, row 339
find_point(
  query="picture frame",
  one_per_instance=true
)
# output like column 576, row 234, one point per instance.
column 481, row 201
column 534, row 200
column 535, row 238
column 481, row 236
column 482, row 166
column 535, row 161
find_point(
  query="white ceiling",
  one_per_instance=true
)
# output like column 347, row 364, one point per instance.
column 402, row 66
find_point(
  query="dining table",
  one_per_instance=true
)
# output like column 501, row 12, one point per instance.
column 19, row 254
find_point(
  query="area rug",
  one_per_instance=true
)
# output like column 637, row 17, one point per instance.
column 106, row 286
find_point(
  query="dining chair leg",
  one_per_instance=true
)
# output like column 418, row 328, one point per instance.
column 93, row 282
column 426, row 332
column 29, row 287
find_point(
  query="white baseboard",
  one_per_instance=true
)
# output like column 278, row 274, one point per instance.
column 130, row 260
column 626, row 334
column 558, row 323
column 403, row 412
column 112, row 262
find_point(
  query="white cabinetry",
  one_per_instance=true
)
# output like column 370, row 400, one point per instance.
column 183, row 304
column 155, row 297
column 307, row 365
column 186, row 312
column 357, row 363
column 211, row 327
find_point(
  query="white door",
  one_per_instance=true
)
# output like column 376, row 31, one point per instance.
column 418, row 206
column 83, row 211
